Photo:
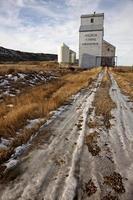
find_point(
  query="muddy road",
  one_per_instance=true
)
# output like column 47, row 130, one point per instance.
column 82, row 152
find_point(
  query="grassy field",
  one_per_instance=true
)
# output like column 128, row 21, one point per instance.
column 28, row 66
column 124, row 78
column 37, row 102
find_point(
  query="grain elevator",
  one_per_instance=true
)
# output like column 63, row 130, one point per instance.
column 93, row 49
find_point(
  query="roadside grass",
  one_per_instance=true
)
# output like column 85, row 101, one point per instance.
column 102, row 102
column 123, row 69
column 38, row 102
column 28, row 66
column 125, row 82
column 35, row 66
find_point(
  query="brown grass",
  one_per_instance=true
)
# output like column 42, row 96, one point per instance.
column 125, row 82
column 115, row 181
column 93, row 124
column 103, row 103
column 90, row 188
column 91, row 142
column 28, row 66
column 123, row 69
column 35, row 66
column 37, row 103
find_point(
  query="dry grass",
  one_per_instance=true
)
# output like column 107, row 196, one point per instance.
column 37, row 103
column 103, row 103
column 125, row 82
column 123, row 69
column 93, row 123
column 28, row 67
column 91, row 142
column 35, row 66
column 115, row 181
column 90, row 188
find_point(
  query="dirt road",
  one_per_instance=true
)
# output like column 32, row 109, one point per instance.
column 63, row 165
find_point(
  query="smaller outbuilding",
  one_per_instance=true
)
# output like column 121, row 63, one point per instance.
column 66, row 55
column 108, row 54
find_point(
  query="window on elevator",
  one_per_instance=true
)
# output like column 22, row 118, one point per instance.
column 92, row 20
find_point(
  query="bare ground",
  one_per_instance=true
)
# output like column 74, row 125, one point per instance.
column 83, row 152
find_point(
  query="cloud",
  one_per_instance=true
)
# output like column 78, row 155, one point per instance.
column 118, row 31
column 42, row 25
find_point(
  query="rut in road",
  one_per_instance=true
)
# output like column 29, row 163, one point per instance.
column 76, row 159
column 51, row 170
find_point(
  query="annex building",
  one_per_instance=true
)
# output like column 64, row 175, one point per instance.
column 66, row 55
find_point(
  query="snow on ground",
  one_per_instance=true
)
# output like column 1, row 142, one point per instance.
column 71, row 181
column 11, row 164
column 10, row 105
column 13, row 84
column 32, row 123
column 4, row 143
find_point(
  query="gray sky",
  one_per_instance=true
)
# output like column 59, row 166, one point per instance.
column 42, row 25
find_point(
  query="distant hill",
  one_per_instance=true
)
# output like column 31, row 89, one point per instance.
column 14, row 55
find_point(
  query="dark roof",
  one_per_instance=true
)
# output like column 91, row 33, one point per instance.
column 93, row 15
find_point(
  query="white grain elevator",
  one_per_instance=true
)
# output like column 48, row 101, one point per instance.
column 92, row 51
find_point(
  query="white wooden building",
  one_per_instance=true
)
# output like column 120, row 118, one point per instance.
column 66, row 55
column 93, row 49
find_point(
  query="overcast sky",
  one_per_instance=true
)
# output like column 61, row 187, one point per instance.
column 42, row 25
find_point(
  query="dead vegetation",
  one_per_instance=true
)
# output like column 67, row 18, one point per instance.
column 90, row 188
column 103, row 103
column 28, row 66
column 123, row 69
column 93, row 123
column 115, row 181
column 124, row 78
column 110, row 197
column 91, row 142
column 37, row 102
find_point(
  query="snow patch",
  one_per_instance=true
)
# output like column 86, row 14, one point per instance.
column 10, row 105
column 11, row 164
column 71, row 181
column 3, row 83
column 4, row 143
column 33, row 122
